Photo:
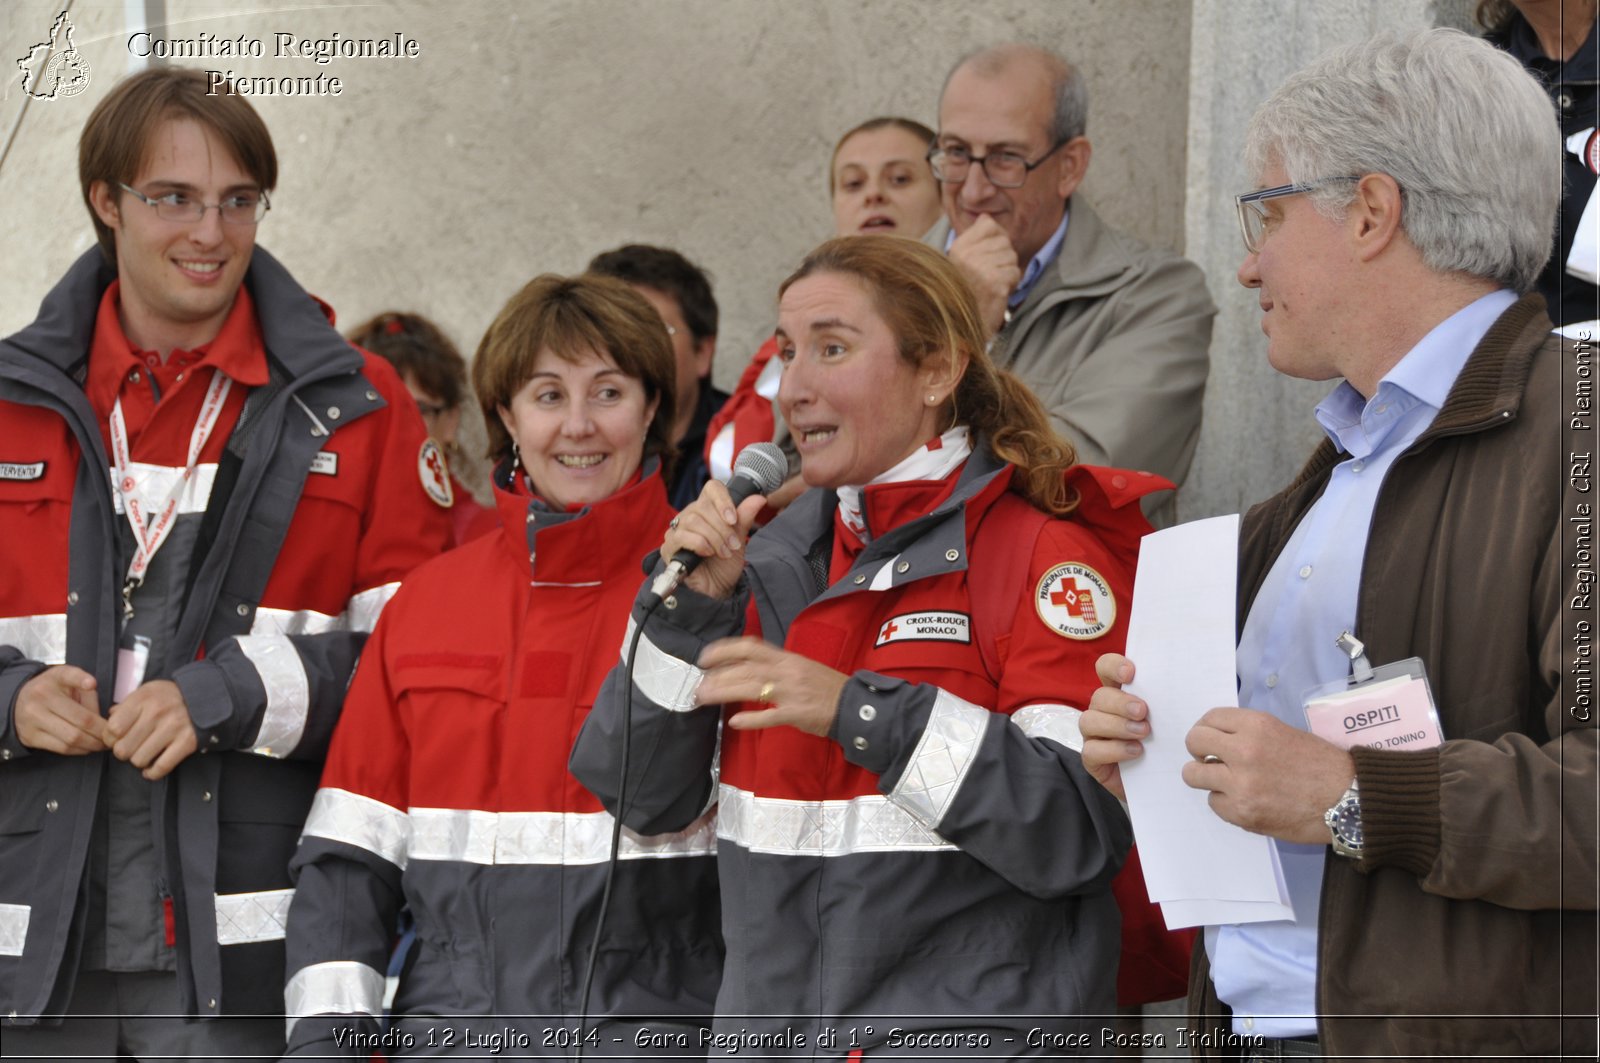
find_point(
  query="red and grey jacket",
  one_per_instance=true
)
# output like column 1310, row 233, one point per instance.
column 750, row 414
column 943, row 852
column 296, row 569
column 447, row 790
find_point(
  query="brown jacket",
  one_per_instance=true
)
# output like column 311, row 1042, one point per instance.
column 1468, row 927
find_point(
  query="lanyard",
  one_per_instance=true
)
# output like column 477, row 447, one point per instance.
column 149, row 539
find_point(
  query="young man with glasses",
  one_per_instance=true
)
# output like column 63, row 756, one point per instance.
column 1112, row 335
column 206, row 497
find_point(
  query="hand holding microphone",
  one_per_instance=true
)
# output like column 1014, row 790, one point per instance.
column 711, row 530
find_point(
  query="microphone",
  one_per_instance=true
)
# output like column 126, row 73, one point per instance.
column 760, row 470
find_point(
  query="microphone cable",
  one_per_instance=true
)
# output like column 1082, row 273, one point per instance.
column 760, row 469
column 613, row 858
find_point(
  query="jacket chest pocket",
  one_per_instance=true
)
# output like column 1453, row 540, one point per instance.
column 326, row 527
column 453, row 706
column 35, row 524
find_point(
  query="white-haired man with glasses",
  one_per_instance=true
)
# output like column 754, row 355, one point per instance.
column 206, row 498
column 1426, row 571
column 1110, row 334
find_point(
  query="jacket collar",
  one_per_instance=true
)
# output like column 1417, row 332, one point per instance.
column 1094, row 261
column 586, row 545
column 928, row 545
column 1487, row 393
column 296, row 330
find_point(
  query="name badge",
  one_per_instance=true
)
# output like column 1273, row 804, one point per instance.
column 930, row 626
column 1392, row 710
column 21, row 470
column 326, row 463
column 131, row 663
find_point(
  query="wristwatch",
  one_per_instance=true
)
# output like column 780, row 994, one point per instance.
column 1344, row 823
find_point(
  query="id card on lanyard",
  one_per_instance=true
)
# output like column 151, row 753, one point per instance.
column 151, row 526
column 1388, row 707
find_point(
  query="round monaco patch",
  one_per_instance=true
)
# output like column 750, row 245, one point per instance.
column 435, row 474
column 1076, row 601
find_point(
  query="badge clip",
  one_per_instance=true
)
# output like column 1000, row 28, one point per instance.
column 129, row 586
column 1387, row 707
column 1356, row 650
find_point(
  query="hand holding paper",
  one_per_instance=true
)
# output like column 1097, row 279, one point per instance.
column 1200, row 868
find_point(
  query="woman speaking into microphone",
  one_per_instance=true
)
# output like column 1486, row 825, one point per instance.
column 446, row 786
column 913, row 860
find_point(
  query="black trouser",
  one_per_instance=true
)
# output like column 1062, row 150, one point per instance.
column 114, row 1016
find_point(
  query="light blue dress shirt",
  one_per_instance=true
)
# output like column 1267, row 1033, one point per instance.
column 1266, row 972
column 1030, row 276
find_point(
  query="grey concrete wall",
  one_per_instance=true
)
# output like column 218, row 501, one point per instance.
column 530, row 135
column 1258, row 426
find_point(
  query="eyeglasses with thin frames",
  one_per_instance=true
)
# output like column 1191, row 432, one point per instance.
column 1253, row 215
column 1004, row 169
column 244, row 208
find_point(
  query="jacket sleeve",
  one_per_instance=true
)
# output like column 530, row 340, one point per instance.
column 1134, row 399
column 347, row 872
column 672, row 762
column 1510, row 821
column 15, row 670
column 1008, row 785
column 277, row 691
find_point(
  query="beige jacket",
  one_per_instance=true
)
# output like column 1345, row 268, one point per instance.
column 1114, row 340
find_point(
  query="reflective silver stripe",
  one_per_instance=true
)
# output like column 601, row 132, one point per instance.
column 37, row 638
column 660, row 676
column 1059, row 723
column 870, row 824
column 364, row 608
column 13, row 928
column 342, row 816
column 940, row 762
column 296, row 622
column 243, row 918
column 283, row 675
column 360, row 614
column 720, row 457
column 153, row 483
column 342, row 987
column 553, row 838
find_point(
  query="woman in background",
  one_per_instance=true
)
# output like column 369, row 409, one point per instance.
column 879, row 182
column 432, row 370
column 446, row 786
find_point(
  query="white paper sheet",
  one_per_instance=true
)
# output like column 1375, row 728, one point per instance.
column 1201, row 869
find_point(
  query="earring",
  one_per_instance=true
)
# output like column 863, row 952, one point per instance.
column 516, row 456
column 933, row 400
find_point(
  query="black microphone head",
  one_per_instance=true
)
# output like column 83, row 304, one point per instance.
column 763, row 464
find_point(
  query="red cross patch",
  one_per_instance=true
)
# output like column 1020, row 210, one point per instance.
column 435, row 474
column 1076, row 601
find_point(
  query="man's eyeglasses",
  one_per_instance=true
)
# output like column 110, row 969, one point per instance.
column 1253, row 215
column 243, row 208
column 1005, row 169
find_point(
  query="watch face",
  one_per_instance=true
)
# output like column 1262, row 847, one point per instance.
column 1344, row 824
